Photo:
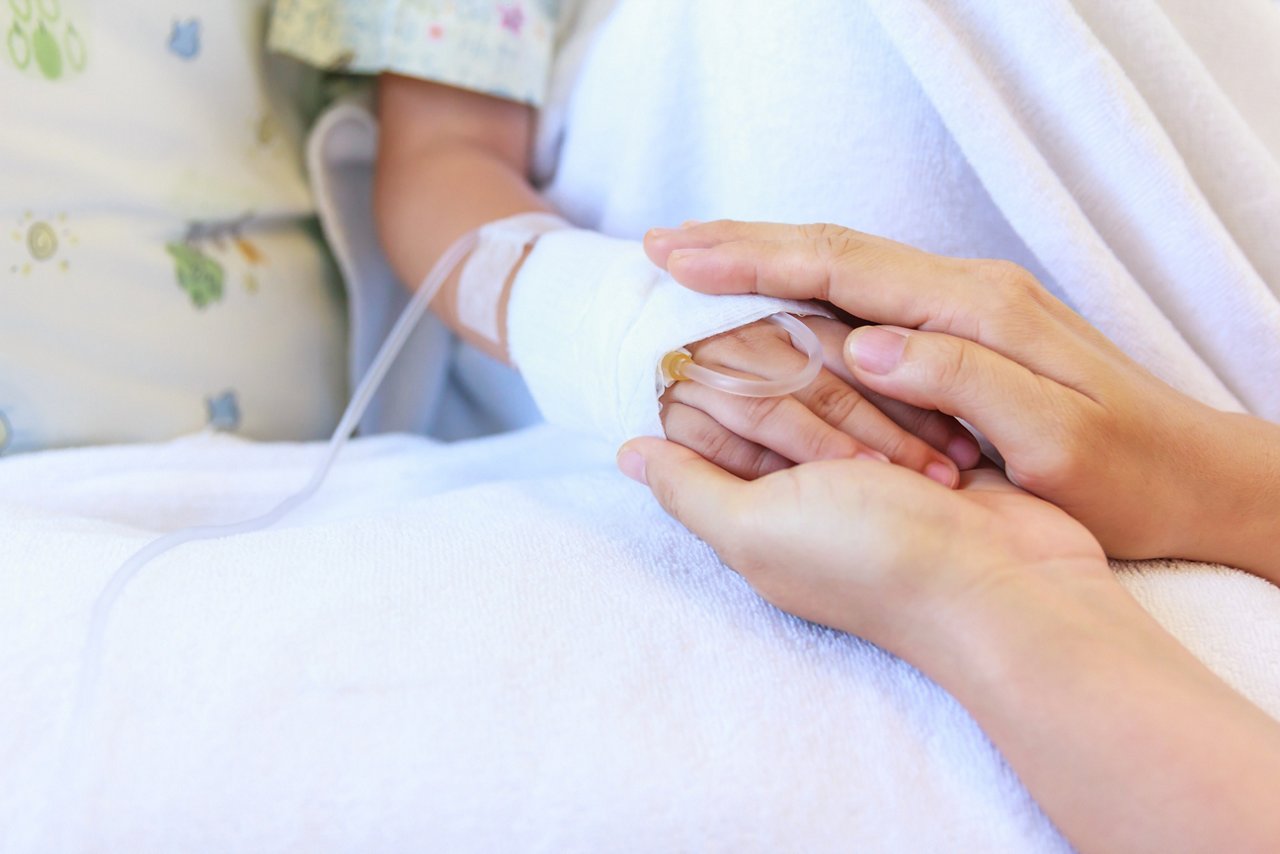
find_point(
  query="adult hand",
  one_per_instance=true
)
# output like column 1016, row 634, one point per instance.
column 871, row 548
column 1150, row 471
column 1121, row 735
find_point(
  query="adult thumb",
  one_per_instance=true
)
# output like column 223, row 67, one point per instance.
column 1006, row 401
column 698, row 493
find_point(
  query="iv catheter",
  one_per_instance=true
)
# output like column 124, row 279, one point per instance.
column 677, row 366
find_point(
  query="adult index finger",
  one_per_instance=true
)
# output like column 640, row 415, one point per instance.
column 661, row 242
column 994, row 303
column 875, row 280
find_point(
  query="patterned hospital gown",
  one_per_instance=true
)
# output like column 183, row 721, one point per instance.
column 498, row 47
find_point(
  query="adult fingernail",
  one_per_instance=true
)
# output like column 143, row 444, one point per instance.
column 874, row 456
column 875, row 349
column 942, row 473
column 684, row 255
column 631, row 464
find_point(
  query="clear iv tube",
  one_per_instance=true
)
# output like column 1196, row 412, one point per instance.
column 802, row 337
column 74, row 744
column 92, row 658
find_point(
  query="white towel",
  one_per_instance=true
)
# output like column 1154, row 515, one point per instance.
column 1127, row 153
column 494, row 646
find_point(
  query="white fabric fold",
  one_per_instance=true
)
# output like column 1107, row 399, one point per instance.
column 1128, row 153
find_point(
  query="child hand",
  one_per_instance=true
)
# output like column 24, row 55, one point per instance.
column 832, row 418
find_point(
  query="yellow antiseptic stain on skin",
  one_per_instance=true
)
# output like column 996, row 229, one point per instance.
column 44, row 241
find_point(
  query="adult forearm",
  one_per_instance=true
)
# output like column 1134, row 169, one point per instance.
column 1233, row 512
column 1125, row 740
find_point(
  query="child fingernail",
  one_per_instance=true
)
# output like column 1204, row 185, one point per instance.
column 942, row 473
column 631, row 464
column 965, row 451
column 874, row 456
column 660, row 232
column 690, row 223
column 875, row 349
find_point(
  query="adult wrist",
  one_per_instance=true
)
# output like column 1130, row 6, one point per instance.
column 974, row 642
column 1232, row 506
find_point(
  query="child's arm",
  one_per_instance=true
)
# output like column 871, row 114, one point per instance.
column 449, row 161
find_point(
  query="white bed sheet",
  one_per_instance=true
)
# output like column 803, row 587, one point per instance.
column 493, row 646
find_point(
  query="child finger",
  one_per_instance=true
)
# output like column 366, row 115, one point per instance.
column 940, row 431
column 699, row 432
column 839, row 405
column 781, row 424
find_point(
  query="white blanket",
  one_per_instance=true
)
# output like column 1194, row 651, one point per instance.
column 440, row 655
column 503, row 645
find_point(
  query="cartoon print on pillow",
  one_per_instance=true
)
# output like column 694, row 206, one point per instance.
column 42, row 243
column 42, row 40
column 199, row 275
column 224, row 412
column 184, row 40
column 200, row 259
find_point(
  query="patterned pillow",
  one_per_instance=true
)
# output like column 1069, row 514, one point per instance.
column 158, row 268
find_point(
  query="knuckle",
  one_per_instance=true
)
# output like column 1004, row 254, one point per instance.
column 819, row 230
column 895, row 446
column 952, row 369
column 829, row 242
column 759, row 410
column 1013, row 301
column 756, row 461
column 713, row 442
column 699, row 433
column 749, row 340
column 1007, row 288
column 835, row 402
column 1006, row 277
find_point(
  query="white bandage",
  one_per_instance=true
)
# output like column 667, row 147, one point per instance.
column 484, row 276
column 590, row 319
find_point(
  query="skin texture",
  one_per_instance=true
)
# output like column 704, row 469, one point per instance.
column 1151, row 472
column 833, row 418
column 1125, row 740
column 1006, row 600
column 450, row 161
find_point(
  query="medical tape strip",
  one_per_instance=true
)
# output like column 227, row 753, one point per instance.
column 590, row 320
column 501, row 246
